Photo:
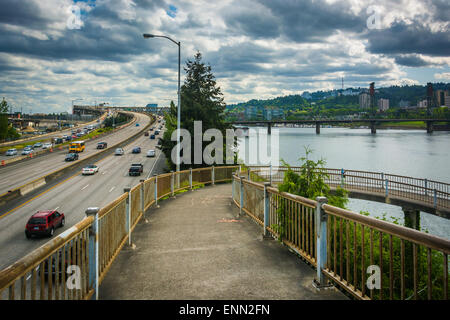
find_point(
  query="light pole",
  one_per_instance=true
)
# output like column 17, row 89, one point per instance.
column 72, row 108
column 146, row 35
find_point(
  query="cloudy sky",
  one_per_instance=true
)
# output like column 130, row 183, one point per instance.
column 54, row 51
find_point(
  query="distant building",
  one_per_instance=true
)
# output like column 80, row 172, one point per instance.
column 440, row 97
column 250, row 112
column 422, row 104
column 364, row 100
column 447, row 100
column 152, row 107
column 383, row 104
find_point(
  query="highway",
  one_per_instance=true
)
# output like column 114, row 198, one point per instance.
column 19, row 173
column 47, row 136
column 74, row 195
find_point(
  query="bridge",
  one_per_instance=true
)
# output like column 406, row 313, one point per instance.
column 431, row 126
column 183, row 241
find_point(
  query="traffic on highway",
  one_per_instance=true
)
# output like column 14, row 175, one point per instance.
column 31, row 223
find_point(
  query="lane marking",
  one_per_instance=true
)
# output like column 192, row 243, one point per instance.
column 56, row 208
column 112, row 189
column 85, row 187
column 40, row 194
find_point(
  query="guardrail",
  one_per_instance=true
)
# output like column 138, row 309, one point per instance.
column 73, row 264
column 369, row 258
column 435, row 194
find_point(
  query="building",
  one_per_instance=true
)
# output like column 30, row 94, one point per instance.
column 447, row 100
column 440, row 97
column 250, row 112
column 364, row 100
column 383, row 104
column 422, row 104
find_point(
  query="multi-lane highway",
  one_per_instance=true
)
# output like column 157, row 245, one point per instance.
column 17, row 174
column 74, row 195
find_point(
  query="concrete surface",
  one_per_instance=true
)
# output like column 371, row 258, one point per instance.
column 192, row 247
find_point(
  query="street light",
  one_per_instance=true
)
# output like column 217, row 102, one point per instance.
column 146, row 36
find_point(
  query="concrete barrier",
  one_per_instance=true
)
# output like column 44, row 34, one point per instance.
column 51, row 177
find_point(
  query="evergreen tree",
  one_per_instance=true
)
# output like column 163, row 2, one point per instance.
column 201, row 100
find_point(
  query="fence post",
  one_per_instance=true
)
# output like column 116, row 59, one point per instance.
column 342, row 177
column 321, row 242
column 248, row 175
column 212, row 175
column 435, row 198
column 241, row 190
column 128, row 213
column 387, row 187
column 270, row 174
column 426, row 187
column 382, row 179
column 142, row 196
column 93, row 251
column 266, row 234
column 190, row 178
column 156, row 189
column 172, row 182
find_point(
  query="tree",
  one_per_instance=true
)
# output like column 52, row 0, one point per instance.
column 4, row 119
column 202, row 100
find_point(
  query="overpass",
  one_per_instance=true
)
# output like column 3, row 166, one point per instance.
column 158, row 241
column 318, row 122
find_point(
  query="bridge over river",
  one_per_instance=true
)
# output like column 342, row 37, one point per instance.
column 431, row 123
column 164, row 239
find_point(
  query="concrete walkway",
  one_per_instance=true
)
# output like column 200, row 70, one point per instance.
column 192, row 247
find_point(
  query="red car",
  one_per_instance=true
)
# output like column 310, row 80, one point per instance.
column 44, row 223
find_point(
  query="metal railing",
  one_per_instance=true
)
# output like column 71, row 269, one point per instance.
column 432, row 193
column 73, row 264
column 369, row 258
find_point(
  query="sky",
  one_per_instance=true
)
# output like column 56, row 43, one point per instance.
column 55, row 51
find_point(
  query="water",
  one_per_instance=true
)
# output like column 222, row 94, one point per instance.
column 411, row 153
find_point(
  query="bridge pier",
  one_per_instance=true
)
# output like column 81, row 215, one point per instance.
column 373, row 128
column 412, row 218
column 429, row 127
column 269, row 128
column 317, row 127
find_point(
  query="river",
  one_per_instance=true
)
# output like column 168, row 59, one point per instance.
column 411, row 153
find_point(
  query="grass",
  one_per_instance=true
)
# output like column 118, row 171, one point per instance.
column 410, row 124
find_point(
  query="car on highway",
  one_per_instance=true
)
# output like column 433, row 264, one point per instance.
column 136, row 150
column 11, row 152
column 146, row 133
column 90, row 169
column 37, row 145
column 102, row 145
column 151, row 153
column 26, row 151
column 44, row 223
column 119, row 152
column 137, row 124
column 72, row 157
column 47, row 145
column 152, row 136
column 136, row 169
column 156, row 132
column 58, row 140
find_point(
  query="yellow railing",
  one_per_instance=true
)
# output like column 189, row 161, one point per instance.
column 73, row 264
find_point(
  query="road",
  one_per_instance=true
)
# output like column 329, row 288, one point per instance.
column 17, row 174
column 72, row 197
column 47, row 136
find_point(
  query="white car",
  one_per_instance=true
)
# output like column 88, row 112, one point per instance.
column 11, row 152
column 151, row 153
column 47, row 145
column 27, row 151
column 119, row 152
column 90, row 169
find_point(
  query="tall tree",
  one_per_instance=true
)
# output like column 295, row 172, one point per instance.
column 201, row 100
column 4, row 119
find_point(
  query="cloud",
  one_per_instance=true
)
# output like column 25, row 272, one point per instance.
column 257, row 48
column 442, row 76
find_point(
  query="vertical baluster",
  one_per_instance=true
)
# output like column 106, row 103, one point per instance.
column 381, row 265
column 445, row 270
column 347, row 229
column 391, row 269
column 33, row 284
column 57, row 275
column 429, row 285
column 23, row 289
column 341, row 263
column 371, row 257
column 63, row 272
column 415, row 271
column 12, row 291
column 363, row 270
column 335, row 246
column 355, row 281
column 42, row 287
column 50, row 278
